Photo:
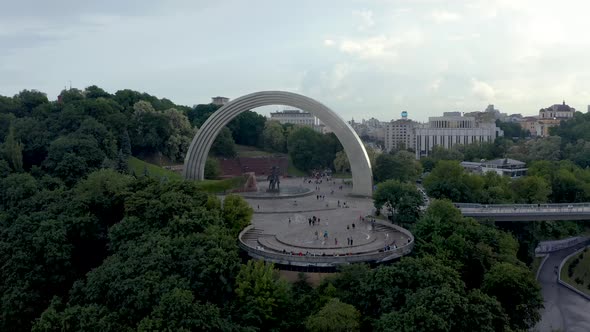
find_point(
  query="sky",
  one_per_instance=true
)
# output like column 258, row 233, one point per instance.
column 373, row 58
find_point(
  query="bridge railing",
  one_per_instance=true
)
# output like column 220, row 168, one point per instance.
column 502, row 206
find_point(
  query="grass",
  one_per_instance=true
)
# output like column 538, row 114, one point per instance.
column 220, row 186
column 581, row 272
column 211, row 186
column 138, row 166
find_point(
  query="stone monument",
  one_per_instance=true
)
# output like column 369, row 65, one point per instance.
column 274, row 180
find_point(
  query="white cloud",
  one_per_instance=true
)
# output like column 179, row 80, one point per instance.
column 328, row 42
column 463, row 37
column 482, row 90
column 381, row 46
column 442, row 16
column 435, row 85
column 366, row 18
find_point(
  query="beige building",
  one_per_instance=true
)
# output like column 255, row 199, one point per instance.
column 399, row 134
column 548, row 118
column 529, row 123
column 453, row 129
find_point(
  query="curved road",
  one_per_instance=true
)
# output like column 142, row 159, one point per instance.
column 564, row 309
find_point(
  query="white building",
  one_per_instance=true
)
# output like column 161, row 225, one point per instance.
column 399, row 134
column 453, row 129
column 298, row 117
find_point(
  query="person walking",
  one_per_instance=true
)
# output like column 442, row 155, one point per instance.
column 335, row 241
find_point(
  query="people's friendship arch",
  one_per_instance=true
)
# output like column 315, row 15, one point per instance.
column 360, row 166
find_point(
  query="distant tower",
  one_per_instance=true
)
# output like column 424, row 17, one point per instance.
column 219, row 101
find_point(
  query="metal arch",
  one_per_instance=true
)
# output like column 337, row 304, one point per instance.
column 360, row 166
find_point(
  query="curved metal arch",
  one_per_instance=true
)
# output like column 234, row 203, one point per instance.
column 360, row 166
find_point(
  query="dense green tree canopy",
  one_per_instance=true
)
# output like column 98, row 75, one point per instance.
column 401, row 166
column 403, row 198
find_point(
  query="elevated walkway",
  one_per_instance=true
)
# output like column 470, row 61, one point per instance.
column 526, row 212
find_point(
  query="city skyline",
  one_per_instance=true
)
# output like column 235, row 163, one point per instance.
column 365, row 59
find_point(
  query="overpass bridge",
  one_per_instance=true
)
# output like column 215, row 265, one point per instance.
column 526, row 212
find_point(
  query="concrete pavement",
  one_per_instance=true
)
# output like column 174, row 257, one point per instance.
column 564, row 309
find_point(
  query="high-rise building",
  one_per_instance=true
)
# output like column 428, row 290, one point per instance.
column 219, row 101
column 399, row 134
column 453, row 129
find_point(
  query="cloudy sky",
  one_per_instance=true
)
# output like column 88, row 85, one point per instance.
column 361, row 58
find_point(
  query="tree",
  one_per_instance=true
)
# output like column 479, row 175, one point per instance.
column 247, row 128
column 94, row 91
column 273, row 137
column 237, row 213
column 178, row 311
column 446, row 309
column 517, row 290
column 180, row 135
column 13, row 151
column 224, row 145
column 150, row 129
column 401, row 166
column 531, row 190
column 125, row 143
column 30, row 99
column 448, row 180
column 212, row 169
column 512, row 130
column 263, row 299
column 71, row 158
column 404, row 198
column 334, row 316
column 341, row 163
column 440, row 153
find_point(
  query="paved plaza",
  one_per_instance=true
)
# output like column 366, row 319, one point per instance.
column 341, row 227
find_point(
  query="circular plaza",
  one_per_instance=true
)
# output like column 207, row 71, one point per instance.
column 324, row 228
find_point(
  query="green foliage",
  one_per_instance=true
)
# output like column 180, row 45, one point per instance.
column 309, row 149
column 440, row 153
column 517, row 290
column 70, row 158
column 137, row 167
column 262, row 297
column 273, row 137
column 212, row 169
column 247, row 127
column 512, row 130
column 448, row 180
column 404, row 198
column 471, row 248
column 237, row 213
column 334, row 316
column 13, row 151
column 531, row 190
column 224, row 145
column 401, row 166
column 341, row 163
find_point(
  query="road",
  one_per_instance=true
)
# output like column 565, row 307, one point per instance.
column 564, row 309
